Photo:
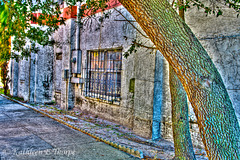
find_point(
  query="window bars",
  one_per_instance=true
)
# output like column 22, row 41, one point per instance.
column 103, row 75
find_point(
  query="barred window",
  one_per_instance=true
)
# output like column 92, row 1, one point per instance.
column 103, row 75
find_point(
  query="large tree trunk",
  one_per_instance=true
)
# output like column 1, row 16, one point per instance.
column 203, row 84
column 180, row 124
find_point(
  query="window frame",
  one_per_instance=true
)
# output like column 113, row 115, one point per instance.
column 103, row 73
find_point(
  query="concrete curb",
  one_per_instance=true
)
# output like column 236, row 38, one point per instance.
column 129, row 150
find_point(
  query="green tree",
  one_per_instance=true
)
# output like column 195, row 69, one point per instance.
column 16, row 19
column 5, row 48
column 203, row 84
column 3, row 75
column 15, row 26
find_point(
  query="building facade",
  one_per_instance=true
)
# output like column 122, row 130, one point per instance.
column 86, row 68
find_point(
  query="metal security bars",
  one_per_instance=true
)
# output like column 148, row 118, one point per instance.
column 103, row 75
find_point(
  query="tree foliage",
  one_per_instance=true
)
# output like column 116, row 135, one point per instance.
column 16, row 19
column 210, row 7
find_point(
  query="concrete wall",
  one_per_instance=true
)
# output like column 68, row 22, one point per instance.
column 44, row 75
column 109, row 34
column 135, row 109
column 14, row 78
column 32, row 79
column 64, row 39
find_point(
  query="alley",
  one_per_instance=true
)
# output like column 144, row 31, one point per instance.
column 25, row 134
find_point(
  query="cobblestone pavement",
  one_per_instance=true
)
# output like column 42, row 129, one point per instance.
column 28, row 135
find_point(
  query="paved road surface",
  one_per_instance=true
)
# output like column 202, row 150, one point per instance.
column 28, row 135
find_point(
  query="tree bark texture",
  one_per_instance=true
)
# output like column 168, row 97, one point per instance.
column 4, row 76
column 180, row 124
column 203, row 84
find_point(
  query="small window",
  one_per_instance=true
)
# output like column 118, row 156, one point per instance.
column 59, row 56
column 103, row 75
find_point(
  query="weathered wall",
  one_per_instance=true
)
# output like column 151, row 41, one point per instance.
column 135, row 109
column 220, row 36
column 58, row 65
column 14, row 78
column 66, row 42
column 57, row 75
column 32, row 79
column 144, row 69
column 110, row 34
column 23, row 82
column 44, row 75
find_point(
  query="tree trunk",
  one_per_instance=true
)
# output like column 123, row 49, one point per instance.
column 180, row 124
column 203, row 84
column 4, row 76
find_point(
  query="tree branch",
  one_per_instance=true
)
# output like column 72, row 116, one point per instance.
column 130, row 23
column 141, row 45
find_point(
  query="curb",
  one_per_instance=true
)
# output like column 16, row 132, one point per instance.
column 129, row 150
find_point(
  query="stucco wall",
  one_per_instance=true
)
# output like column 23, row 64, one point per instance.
column 109, row 34
column 44, row 75
column 14, row 78
column 135, row 109
column 64, row 43
column 39, row 71
column 23, row 82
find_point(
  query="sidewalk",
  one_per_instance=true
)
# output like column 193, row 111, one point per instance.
column 28, row 135
column 113, row 134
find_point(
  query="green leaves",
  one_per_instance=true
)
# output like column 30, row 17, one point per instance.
column 211, row 8
column 219, row 13
column 4, row 12
column 132, row 49
column 17, row 18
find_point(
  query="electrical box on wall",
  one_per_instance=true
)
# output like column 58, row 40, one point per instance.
column 76, row 80
column 76, row 61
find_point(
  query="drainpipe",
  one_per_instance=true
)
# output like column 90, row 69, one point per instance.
column 70, row 95
column 78, row 41
column 29, row 76
column 78, row 26
column 69, row 87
